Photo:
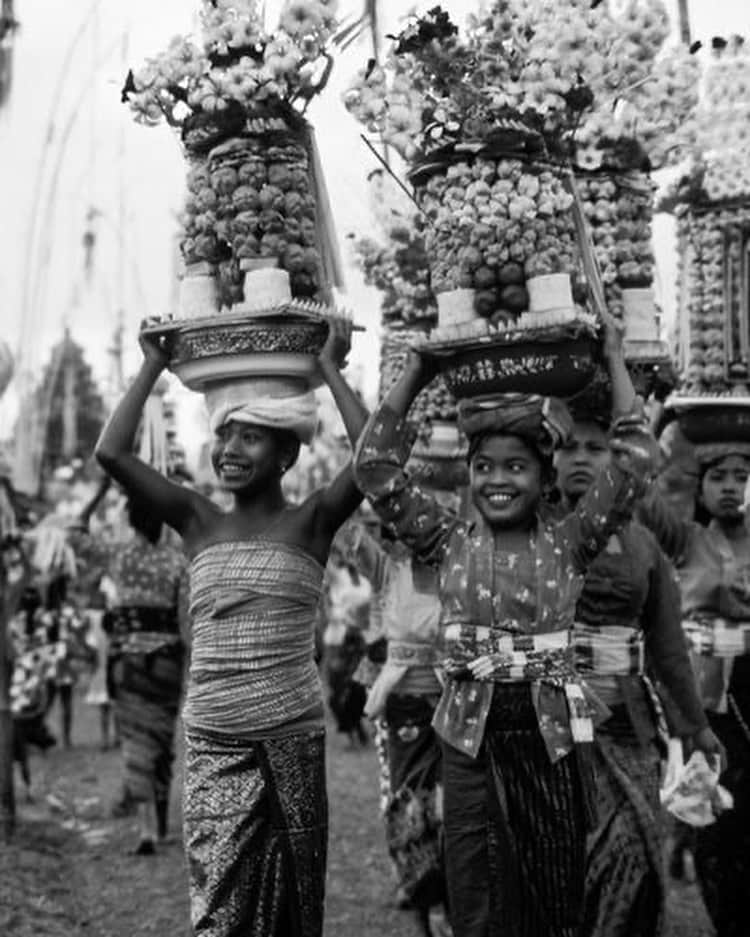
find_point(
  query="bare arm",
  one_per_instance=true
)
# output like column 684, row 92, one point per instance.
column 342, row 497
column 171, row 503
column 623, row 393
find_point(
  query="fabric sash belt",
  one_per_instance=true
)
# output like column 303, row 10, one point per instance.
column 610, row 651
column 540, row 659
column 717, row 637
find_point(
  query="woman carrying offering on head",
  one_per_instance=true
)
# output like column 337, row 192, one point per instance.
column 713, row 563
column 512, row 718
column 628, row 625
column 255, row 808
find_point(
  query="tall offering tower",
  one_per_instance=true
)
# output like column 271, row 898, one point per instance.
column 712, row 206
column 258, row 247
column 529, row 137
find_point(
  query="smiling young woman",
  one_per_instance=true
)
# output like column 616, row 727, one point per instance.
column 255, row 807
column 516, row 744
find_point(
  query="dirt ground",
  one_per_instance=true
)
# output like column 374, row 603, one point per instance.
column 69, row 872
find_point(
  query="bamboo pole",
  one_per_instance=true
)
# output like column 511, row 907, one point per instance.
column 683, row 15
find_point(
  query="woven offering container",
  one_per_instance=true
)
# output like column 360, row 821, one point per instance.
column 227, row 347
column 557, row 362
column 712, row 419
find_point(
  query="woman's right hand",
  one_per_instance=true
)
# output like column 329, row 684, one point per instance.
column 156, row 346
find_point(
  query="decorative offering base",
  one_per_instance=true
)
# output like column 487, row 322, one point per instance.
column 713, row 418
column 557, row 361
column 284, row 342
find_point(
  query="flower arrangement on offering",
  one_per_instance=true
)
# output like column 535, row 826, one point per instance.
column 491, row 120
column 257, row 235
column 711, row 203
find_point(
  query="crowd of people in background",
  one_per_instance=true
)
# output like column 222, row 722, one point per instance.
column 506, row 768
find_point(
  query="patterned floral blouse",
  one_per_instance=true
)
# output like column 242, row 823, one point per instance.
column 489, row 595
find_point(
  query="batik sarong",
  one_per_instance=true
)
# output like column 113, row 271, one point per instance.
column 147, row 689
column 624, row 879
column 255, row 817
column 515, row 829
column 414, row 828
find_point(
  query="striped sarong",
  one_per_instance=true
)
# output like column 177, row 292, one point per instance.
column 255, row 818
column 624, row 877
column 515, row 829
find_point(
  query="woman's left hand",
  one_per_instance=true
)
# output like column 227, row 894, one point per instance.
column 707, row 741
column 337, row 344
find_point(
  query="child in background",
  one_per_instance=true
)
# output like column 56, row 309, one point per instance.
column 98, row 691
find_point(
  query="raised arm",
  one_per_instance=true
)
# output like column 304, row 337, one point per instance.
column 415, row 517
column 341, row 498
column 672, row 532
column 173, row 504
column 624, row 397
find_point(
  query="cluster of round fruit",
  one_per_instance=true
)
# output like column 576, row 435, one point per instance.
column 250, row 199
column 492, row 225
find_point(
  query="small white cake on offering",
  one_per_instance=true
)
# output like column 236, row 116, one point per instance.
column 641, row 321
column 264, row 289
column 455, row 307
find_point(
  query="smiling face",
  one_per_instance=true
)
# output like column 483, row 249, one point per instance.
column 247, row 458
column 582, row 459
column 723, row 488
column 506, row 481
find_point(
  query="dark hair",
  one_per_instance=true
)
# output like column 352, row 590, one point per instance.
column 142, row 519
column 288, row 444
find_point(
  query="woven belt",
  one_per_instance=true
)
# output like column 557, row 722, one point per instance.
column 520, row 656
column 610, row 651
column 717, row 637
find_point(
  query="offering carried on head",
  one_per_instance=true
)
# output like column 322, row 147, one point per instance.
column 270, row 333
column 713, row 420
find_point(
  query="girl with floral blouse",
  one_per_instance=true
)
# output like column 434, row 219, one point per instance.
column 513, row 720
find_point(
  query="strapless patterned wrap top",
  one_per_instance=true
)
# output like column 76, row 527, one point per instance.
column 253, row 605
